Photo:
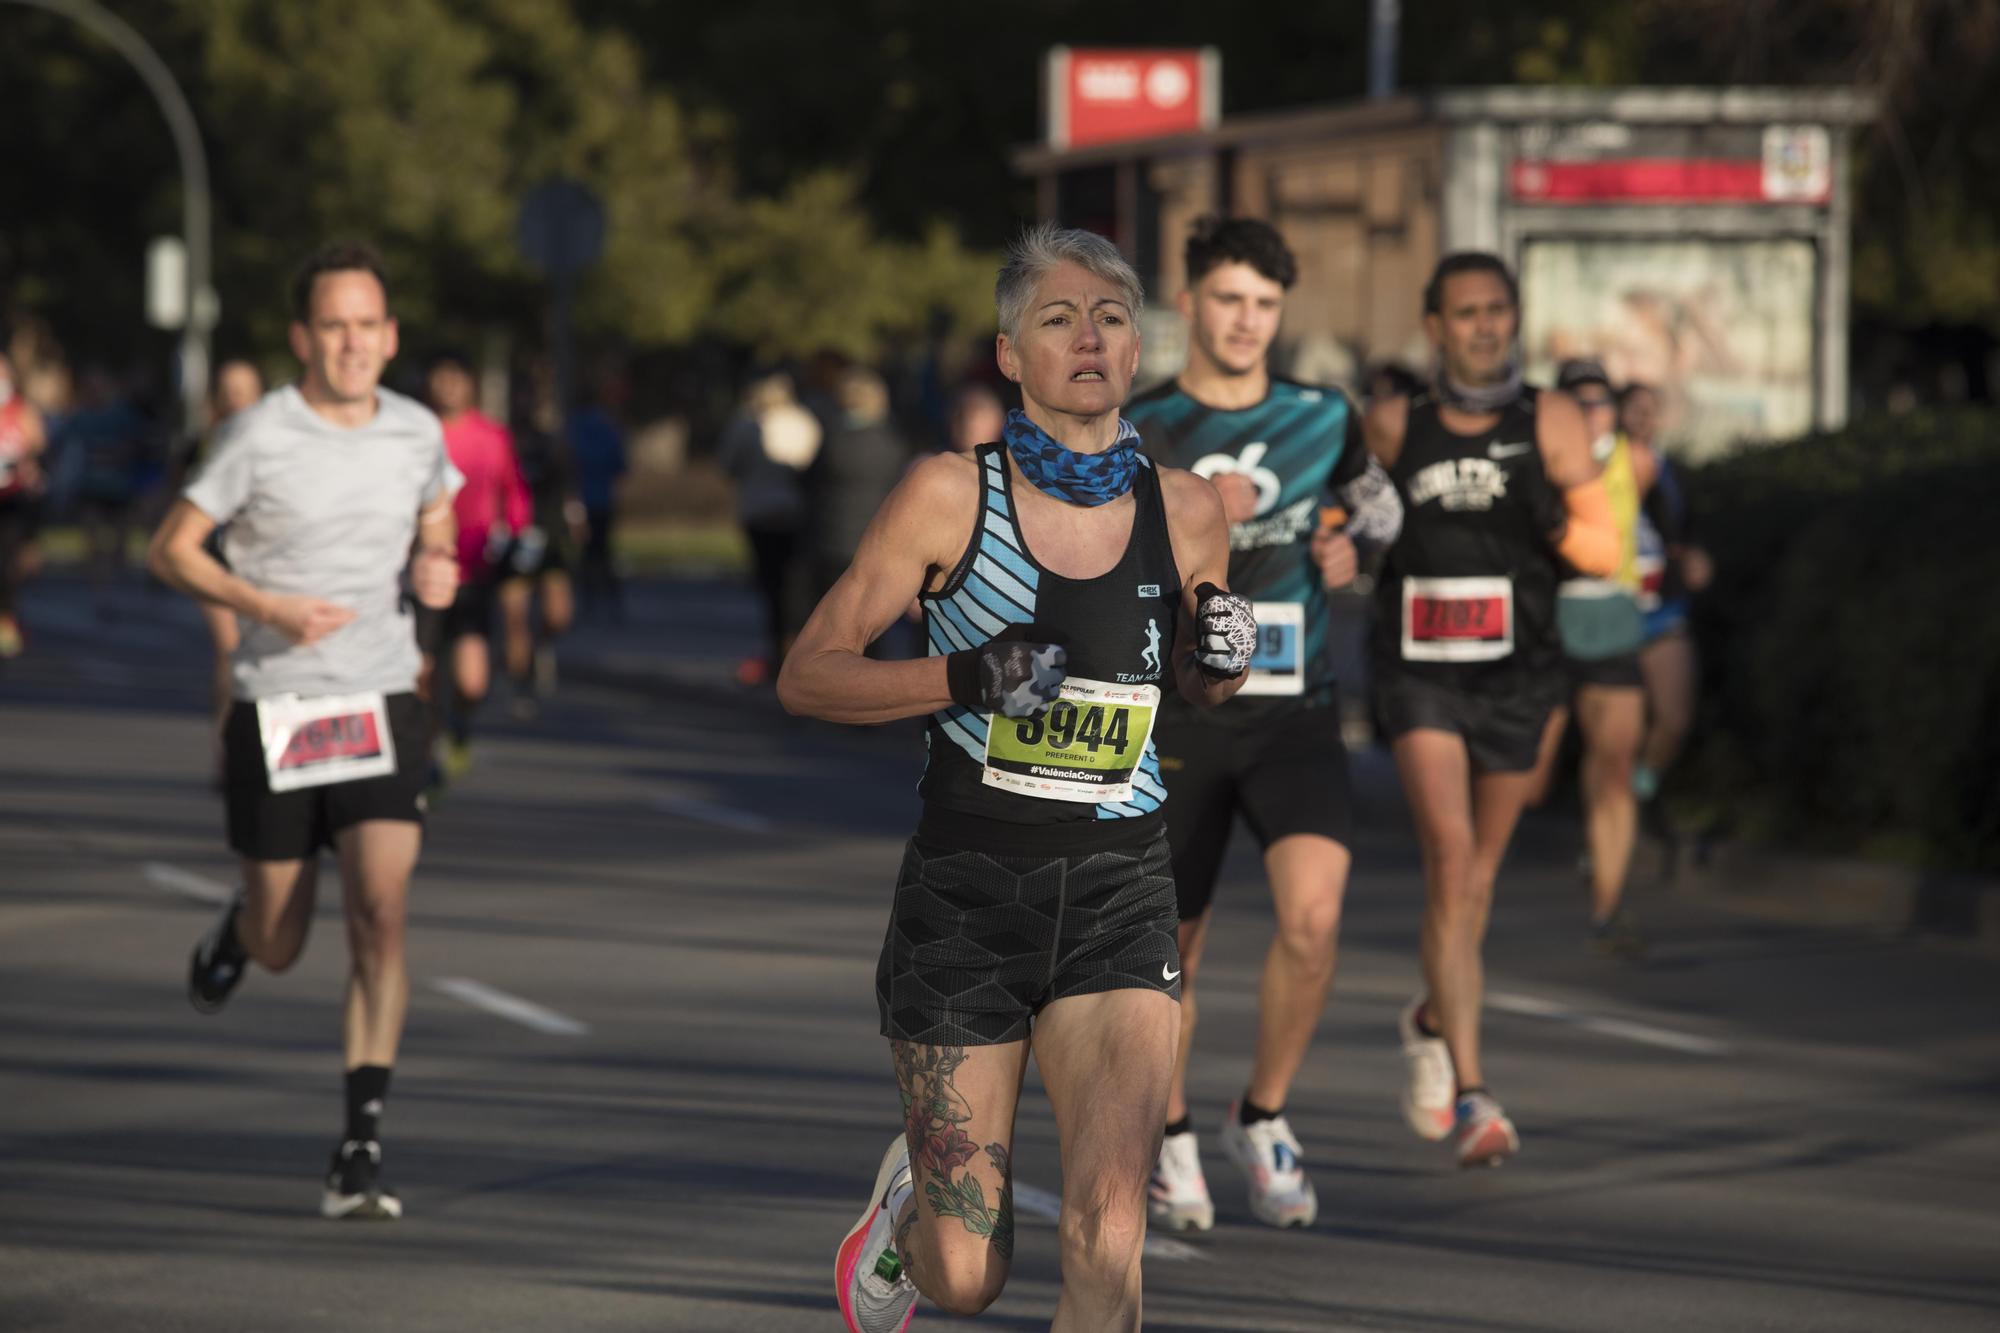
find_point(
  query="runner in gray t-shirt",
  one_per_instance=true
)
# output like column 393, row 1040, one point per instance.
column 327, row 488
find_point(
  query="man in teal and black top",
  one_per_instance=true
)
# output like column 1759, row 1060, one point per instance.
column 1277, row 453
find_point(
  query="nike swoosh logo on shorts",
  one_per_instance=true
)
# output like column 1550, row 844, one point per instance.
column 1168, row 975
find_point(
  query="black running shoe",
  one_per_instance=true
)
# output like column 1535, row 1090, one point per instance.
column 354, row 1187
column 218, row 963
column 1619, row 936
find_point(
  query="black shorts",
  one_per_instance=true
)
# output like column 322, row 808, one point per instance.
column 980, row 944
column 1502, row 729
column 1618, row 672
column 291, row 825
column 471, row 613
column 470, row 616
column 1282, row 765
column 555, row 558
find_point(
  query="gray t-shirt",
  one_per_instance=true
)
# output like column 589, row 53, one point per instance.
column 316, row 509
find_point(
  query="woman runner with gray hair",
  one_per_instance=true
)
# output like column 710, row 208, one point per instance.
column 1065, row 580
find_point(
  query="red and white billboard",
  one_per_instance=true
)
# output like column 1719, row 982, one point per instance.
column 1108, row 96
column 1796, row 168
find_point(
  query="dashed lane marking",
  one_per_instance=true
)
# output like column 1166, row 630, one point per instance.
column 1033, row 1202
column 1529, row 1006
column 511, row 1007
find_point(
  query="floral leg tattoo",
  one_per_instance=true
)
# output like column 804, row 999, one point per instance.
column 933, row 1112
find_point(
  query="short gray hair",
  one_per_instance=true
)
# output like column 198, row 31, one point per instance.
column 1045, row 247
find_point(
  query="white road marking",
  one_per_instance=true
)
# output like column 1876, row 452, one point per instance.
column 185, row 882
column 728, row 816
column 1528, row 1006
column 512, row 1007
column 1040, row 1203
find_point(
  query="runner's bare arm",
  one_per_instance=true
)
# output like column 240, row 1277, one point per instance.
column 1383, row 427
column 1199, row 531
column 1589, row 537
column 921, row 528
column 434, row 569
column 178, row 559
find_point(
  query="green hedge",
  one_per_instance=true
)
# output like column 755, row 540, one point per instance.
column 1851, row 642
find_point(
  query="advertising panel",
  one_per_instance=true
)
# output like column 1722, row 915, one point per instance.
column 1723, row 328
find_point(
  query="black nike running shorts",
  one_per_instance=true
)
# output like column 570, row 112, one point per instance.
column 1281, row 764
column 980, row 944
column 291, row 825
column 1502, row 729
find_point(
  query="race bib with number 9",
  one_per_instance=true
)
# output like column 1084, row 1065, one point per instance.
column 1084, row 747
column 314, row 742
column 1278, row 666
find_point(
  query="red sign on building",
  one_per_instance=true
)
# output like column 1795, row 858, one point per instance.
column 1101, row 96
column 1795, row 168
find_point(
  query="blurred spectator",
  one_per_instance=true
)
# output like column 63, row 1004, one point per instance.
column 597, row 446
column 976, row 417
column 860, row 463
column 23, row 437
column 766, row 449
column 104, row 444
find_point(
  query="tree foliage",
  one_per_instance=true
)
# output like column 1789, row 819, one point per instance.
column 786, row 176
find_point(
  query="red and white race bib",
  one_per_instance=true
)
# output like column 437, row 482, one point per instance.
column 1458, row 620
column 314, row 742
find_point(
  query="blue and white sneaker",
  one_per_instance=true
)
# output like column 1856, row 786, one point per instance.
column 1268, row 1154
column 1483, row 1134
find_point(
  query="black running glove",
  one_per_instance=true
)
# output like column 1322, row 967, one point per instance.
column 1011, row 679
column 1226, row 633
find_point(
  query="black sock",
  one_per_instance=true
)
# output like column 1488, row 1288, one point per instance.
column 459, row 724
column 231, row 944
column 1184, row 1125
column 1249, row 1113
column 1469, row 1089
column 367, row 1086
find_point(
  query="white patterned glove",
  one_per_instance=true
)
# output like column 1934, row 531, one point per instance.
column 1226, row 632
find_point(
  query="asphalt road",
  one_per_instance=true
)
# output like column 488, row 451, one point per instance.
column 1761, row 1127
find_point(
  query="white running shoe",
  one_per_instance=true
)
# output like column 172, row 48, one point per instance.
column 1268, row 1153
column 875, row 1294
column 1484, row 1134
column 1177, row 1197
column 1428, row 1096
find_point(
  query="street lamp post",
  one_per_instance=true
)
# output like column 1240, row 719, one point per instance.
column 194, row 185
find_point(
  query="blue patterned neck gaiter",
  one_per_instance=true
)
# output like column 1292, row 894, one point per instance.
column 1080, row 479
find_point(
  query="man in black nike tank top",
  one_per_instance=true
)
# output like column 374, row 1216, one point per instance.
column 1066, row 580
column 1497, row 480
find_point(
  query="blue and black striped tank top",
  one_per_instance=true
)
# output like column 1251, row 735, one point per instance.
column 1118, row 628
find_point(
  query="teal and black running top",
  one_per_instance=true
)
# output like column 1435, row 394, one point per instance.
column 1297, row 445
column 1119, row 631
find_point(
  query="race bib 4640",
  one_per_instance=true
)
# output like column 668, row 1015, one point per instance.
column 313, row 742
column 1084, row 747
